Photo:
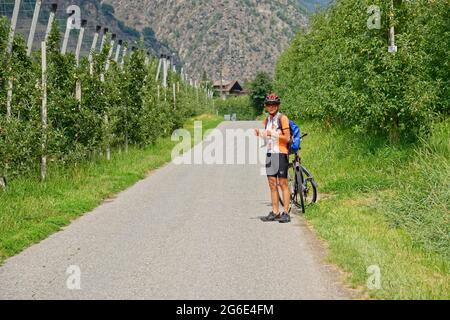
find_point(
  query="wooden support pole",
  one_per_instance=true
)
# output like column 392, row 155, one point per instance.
column 147, row 59
column 51, row 18
column 392, row 47
column 93, row 48
column 158, row 71
column 77, row 58
column 9, row 99
column 78, row 91
column 106, row 118
column 12, row 32
column 108, row 147
column 102, row 78
column 102, row 44
column 124, row 55
column 165, row 76
column 80, row 41
column 69, row 24
column 165, row 67
column 174, row 97
column 110, row 53
column 125, row 48
column 172, row 63
column 196, row 90
column 44, row 112
column 37, row 10
column 119, row 47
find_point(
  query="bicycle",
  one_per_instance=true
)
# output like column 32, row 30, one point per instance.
column 302, row 186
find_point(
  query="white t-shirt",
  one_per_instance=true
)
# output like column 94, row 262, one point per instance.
column 272, row 141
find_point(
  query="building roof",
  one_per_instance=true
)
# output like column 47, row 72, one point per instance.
column 225, row 85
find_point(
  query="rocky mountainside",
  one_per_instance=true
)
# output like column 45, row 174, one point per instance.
column 312, row 5
column 245, row 36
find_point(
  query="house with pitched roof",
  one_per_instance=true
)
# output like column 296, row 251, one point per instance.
column 228, row 88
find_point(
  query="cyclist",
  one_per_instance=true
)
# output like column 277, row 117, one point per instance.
column 277, row 134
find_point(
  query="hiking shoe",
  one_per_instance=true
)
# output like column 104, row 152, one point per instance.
column 271, row 217
column 284, row 218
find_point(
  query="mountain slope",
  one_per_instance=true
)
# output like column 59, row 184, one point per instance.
column 313, row 5
column 248, row 34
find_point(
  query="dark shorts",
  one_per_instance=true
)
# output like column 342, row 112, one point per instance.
column 277, row 165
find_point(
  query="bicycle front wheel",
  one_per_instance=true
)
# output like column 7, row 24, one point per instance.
column 300, row 190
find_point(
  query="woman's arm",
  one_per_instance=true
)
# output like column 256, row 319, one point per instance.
column 284, row 135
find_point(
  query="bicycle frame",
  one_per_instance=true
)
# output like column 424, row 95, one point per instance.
column 303, row 187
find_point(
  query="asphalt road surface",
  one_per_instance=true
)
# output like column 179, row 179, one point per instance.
column 184, row 232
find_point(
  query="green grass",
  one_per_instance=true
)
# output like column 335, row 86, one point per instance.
column 31, row 211
column 383, row 205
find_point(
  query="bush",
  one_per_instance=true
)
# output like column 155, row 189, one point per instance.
column 260, row 87
column 241, row 106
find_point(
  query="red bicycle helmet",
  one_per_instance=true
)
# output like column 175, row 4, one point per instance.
column 272, row 99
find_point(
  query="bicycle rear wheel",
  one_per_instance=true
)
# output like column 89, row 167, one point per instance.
column 301, row 191
column 309, row 188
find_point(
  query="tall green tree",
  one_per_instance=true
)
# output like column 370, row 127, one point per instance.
column 260, row 87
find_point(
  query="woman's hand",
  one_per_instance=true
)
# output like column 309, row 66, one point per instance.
column 263, row 133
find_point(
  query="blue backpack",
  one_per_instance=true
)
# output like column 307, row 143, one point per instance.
column 294, row 144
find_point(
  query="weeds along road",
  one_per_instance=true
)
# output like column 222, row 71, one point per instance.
column 184, row 232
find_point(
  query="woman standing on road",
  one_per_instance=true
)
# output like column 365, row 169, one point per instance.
column 276, row 131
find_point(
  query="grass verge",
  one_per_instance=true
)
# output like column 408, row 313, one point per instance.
column 30, row 211
column 385, row 206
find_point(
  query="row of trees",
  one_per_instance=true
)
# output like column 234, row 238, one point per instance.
column 340, row 71
column 119, row 106
column 240, row 105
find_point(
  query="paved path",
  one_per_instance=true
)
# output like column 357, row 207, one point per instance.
column 184, row 232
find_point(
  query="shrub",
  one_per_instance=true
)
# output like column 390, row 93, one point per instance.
column 241, row 106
